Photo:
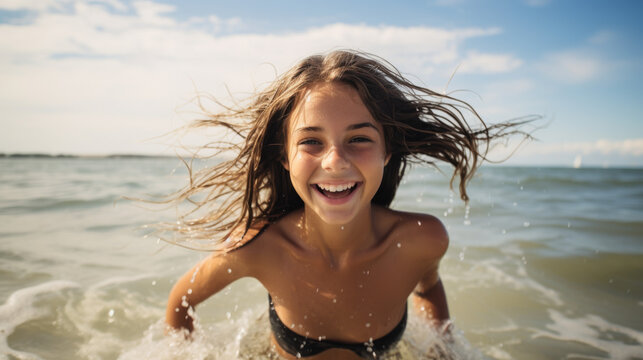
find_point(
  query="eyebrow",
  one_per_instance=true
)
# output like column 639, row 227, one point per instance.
column 349, row 127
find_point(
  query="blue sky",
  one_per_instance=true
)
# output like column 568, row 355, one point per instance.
column 99, row 77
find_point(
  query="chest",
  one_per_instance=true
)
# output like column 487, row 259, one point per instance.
column 363, row 299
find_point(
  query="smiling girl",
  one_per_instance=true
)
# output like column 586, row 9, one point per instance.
column 304, row 206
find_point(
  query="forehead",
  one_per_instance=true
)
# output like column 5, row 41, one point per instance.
column 330, row 103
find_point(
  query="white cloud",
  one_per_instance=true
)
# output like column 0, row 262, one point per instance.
column 602, row 152
column 133, row 67
column 114, row 4
column 225, row 25
column 32, row 5
column 476, row 62
column 629, row 147
column 603, row 37
column 573, row 66
column 151, row 13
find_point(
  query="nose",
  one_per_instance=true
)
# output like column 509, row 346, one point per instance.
column 335, row 160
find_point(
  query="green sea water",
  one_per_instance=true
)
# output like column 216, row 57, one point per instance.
column 544, row 263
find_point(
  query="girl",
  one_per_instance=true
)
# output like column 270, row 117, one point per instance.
column 304, row 205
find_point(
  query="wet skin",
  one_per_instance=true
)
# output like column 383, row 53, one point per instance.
column 340, row 268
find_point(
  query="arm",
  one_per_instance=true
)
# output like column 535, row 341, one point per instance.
column 431, row 302
column 429, row 296
column 202, row 281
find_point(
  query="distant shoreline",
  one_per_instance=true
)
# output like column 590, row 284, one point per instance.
column 70, row 156
column 151, row 156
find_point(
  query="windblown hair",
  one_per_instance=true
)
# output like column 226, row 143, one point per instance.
column 253, row 187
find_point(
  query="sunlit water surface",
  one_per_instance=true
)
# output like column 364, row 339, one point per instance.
column 546, row 263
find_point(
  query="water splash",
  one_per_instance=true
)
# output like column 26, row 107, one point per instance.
column 248, row 337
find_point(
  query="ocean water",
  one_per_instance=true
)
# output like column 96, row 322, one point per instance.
column 545, row 263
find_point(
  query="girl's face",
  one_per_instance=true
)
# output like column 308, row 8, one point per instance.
column 336, row 152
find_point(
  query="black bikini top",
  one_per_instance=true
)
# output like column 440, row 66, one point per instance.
column 303, row 346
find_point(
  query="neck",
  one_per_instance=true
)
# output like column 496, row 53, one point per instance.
column 337, row 243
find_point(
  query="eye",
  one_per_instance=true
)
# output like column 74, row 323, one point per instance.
column 309, row 142
column 360, row 139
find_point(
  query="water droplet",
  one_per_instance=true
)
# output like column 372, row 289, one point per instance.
column 305, row 317
column 176, row 310
column 521, row 188
column 292, row 326
column 334, row 301
column 569, row 225
column 526, row 224
column 110, row 313
column 229, row 271
column 467, row 222
column 367, row 324
column 228, row 315
column 154, row 283
column 504, row 231
column 370, row 314
column 342, row 227
column 360, row 286
column 194, row 275
column 419, row 223
column 298, row 356
column 515, row 204
column 399, row 245
column 461, row 256
column 189, row 291
column 422, row 309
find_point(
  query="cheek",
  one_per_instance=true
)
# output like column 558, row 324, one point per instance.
column 300, row 168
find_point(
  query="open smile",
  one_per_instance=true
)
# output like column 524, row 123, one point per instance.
column 336, row 191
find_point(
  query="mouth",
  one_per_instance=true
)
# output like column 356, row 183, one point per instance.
column 338, row 191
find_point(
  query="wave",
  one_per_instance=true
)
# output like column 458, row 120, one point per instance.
column 21, row 307
column 43, row 204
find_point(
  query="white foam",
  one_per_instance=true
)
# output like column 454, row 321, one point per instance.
column 106, row 315
column 248, row 337
column 20, row 307
column 491, row 274
column 591, row 330
column 117, row 280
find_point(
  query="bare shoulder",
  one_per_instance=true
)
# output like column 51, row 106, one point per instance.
column 261, row 243
column 423, row 232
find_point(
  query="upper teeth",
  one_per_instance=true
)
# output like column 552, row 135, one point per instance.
column 336, row 188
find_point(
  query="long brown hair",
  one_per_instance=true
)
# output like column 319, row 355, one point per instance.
column 252, row 187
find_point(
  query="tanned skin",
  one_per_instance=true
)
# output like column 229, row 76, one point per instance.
column 339, row 268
